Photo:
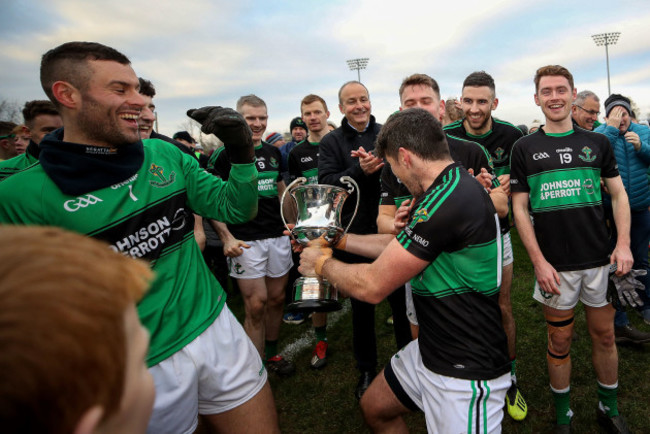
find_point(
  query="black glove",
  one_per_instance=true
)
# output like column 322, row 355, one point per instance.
column 230, row 127
column 621, row 290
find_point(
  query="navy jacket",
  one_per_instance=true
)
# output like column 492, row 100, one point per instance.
column 334, row 161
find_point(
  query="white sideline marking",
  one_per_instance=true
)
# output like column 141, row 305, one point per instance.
column 291, row 350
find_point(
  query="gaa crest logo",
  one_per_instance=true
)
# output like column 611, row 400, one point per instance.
column 273, row 162
column 74, row 205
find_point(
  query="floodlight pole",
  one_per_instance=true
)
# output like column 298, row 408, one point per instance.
column 358, row 64
column 606, row 39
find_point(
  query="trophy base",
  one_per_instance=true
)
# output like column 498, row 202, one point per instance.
column 307, row 306
column 311, row 294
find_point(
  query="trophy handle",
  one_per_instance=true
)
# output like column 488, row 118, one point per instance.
column 351, row 183
column 297, row 181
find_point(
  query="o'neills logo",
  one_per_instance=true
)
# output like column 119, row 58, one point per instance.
column 74, row 205
column 126, row 182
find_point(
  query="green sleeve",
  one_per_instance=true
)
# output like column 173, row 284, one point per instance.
column 232, row 201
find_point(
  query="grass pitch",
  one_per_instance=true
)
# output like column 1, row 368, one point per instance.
column 323, row 401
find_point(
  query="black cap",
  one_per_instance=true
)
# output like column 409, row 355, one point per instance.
column 298, row 122
column 183, row 135
column 615, row 99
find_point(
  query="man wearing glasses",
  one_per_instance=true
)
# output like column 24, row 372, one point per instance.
column 585, row 110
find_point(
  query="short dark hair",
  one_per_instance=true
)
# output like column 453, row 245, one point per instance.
column 479, row 79
column 419, row 79
column 552, row 70
column 38, row 107
column 6, row 127
column 68, row 62
column 146, row 87
column 414, row 129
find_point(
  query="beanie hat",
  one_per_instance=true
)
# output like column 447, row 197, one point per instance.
column 298, row 122
column 615, row 99
column 184, row 135
column 273, row 137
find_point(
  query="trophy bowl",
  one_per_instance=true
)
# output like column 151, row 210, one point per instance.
column 318, row 215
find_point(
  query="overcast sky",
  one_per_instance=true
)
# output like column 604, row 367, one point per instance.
column 210, row 52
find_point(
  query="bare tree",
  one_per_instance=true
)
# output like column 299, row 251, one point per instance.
column 11, row 111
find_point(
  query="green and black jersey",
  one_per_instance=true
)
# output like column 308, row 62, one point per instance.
column 303, row 161
column 470, row 154
column 16, row 164
column 147, row 216
column 561, row 173
column 393, row 192
column 454, row 226
column 498, row 141
column 268, row 222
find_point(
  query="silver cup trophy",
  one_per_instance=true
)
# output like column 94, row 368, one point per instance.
column 319, row 208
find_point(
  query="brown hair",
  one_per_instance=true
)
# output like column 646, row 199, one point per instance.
column 63, row 298
column 414, row 129
column 552, row 70
column 419, row 79
column 6, row 127
column 36, row 108
column 452, row 111
column 69, row 62
column 312, row 98
column 20, row 129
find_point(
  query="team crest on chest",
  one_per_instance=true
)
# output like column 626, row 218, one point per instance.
column 499, row 155
column 273, row 162
column 587, row 155
column 159, row 172
column 421, row 215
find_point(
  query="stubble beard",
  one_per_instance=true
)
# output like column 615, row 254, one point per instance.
column 103, row 127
